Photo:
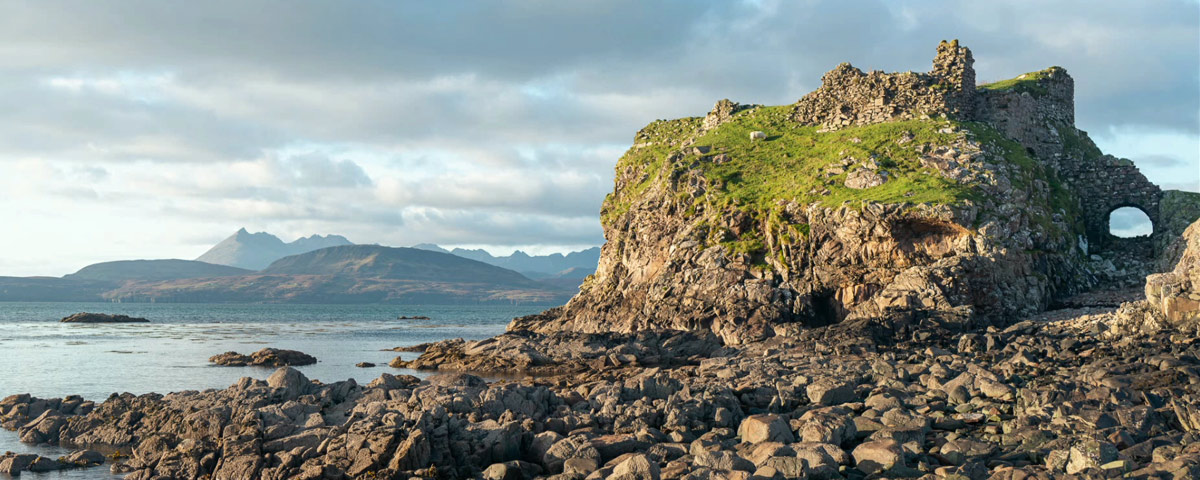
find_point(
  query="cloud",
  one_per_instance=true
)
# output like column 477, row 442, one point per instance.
column 320, row 171
column 480, row 122
column 1129, row 222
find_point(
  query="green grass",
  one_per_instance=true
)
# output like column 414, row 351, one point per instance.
column 1029, row 82
column 793, row 162
column 799, row 164
column 1077, row 142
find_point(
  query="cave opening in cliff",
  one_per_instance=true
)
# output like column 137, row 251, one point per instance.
column 825, row 309
column 1129, row 222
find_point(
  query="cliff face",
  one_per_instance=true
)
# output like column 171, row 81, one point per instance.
column 895, row 196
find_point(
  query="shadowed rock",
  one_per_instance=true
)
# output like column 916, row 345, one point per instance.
column 267, row 357
column 86, row 317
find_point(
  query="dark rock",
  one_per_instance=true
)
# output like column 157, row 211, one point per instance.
column 267, row 357
column 85, row 317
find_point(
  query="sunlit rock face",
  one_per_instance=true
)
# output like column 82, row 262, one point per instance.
column 895, row 196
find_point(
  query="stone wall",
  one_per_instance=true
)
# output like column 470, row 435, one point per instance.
column 1109, row 184
column 1033, row 119
column 1038, row 111
column 850, row 97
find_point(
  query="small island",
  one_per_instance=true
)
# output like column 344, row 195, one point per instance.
column 87, row 317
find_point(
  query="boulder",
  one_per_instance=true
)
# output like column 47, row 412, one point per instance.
column 637, row 467
column 85, row 458
column 511, row 470
column 290, row 380
column 831, row 425
column 1090, row 454
column 765, row 428
column 862, row 178
column 830, row 391
column 877, row 456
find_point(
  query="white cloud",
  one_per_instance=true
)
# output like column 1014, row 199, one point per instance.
column 477, row 123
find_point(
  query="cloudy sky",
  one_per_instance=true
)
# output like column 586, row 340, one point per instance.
column 153, row 129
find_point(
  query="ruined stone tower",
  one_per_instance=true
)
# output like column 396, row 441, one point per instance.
column 1036, row 109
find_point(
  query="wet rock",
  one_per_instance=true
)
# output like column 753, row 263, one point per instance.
column 14, row 463
column 267, row 357
column 43, row 464
column 86, row 317
column 85, row 458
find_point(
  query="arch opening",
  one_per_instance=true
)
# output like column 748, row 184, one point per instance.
column 1129, row 222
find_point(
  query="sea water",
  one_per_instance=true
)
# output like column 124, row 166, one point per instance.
column 46, row 358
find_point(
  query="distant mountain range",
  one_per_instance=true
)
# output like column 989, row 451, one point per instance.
column 355, row 274
column 553, row 266
column 323, row 269
column 254, row 251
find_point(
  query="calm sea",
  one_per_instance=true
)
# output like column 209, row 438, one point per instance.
column 40, row 356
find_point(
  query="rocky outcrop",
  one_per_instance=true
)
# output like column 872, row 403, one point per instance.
column 85, row 317
column 1177, row 211
column 537, row 354
column 878, row 196
column 1176, row 294
column 267, row 357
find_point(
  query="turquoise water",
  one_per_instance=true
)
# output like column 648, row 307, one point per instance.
column 40, row 356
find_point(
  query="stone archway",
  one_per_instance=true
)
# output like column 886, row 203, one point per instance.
column 1138, row 246
column 1130, row 222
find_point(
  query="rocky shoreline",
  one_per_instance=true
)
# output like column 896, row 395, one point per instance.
column 1072, row 394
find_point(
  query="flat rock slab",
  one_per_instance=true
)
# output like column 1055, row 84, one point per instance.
column 86, row 317
column 267, row 357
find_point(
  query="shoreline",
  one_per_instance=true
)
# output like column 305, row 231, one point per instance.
column 1039, row 397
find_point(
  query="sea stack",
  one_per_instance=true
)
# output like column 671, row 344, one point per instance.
column 880, row 198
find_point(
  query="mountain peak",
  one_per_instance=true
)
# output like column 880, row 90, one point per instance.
column 257, row 250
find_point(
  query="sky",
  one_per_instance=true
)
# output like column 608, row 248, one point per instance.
column 153, row 129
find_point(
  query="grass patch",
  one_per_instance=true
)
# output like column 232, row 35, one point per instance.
column 1024, row 83
column 798, row 163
